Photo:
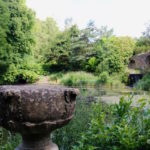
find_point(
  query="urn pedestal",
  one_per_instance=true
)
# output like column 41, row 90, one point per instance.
column 35, row 111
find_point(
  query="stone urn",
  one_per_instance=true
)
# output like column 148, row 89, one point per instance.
column 35, row 111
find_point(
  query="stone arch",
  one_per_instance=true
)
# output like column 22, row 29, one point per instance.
column 132, row 63
column 148, row 60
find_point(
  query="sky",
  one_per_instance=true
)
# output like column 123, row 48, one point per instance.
column 126, row 17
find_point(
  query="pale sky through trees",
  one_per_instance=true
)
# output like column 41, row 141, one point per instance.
column 126, row 17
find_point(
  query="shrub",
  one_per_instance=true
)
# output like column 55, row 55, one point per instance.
column 128, row 127
column 26, row 76
column 26, row 72
column 92, row 63
column 103, row 78
column 10, row 76
column 14, row 76
column 144, row 84
column 8, row 141
column 29, row 63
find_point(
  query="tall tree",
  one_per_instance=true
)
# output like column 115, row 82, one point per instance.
column 16, row 27
column 20, row 29
column 45, row 33
column 4, row 46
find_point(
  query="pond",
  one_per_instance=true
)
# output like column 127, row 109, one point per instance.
column 111, row 96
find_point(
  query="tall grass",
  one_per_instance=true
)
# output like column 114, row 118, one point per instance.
column 82, row 78
column 78, row 79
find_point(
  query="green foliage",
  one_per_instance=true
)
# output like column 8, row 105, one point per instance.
column 112, row 64
column 26, row 76
column 20, row 31
column 144, row 83
column 4, row 46
column 92, row 63
column 27, row 71
column 111, row 81
column 90, row 49
column 8, row 141
column 76, row 48
column 114, row 53
column 103, row 78
column 124, row 127
column 142, row 45
column 78, row 79
column 58, row 57
column 87, row 79
column 56, row 76
column 15, row 76
column 16, row 24
column 45, row 33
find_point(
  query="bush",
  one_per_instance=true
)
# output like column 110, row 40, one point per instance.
column 8, row 141
column 25, row 76
column 10, row 76
column 78, row 79
column 103, row 78
column 18, row 76
column 26, row 72
column 123, row 127
column 144, row 84
column 92, row 63
column 29, row 63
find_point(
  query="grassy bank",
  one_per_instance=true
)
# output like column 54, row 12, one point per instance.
column 81, row 78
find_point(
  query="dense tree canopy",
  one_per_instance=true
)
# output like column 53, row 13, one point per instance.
column 16, row 24
column 4, row 46
column 45, row 33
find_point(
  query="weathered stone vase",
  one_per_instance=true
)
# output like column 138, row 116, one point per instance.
column 35, row 111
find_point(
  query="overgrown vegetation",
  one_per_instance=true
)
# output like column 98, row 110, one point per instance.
column 144, row 83
column 16, row 25
column 84, row 79
column 121, row 126
column 8, row 141
column 78, row 79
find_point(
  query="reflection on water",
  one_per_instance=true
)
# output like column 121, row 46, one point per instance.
column 110, row 96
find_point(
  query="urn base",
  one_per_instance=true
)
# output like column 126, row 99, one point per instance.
column 37, row 142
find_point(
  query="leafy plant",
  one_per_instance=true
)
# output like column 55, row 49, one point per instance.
column 144, row 83
column 127, row 127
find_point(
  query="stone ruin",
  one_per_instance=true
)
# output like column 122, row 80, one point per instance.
column 140, row 62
